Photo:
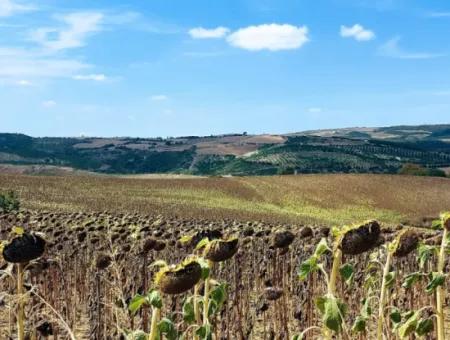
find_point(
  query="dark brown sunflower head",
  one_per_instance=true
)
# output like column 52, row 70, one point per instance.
column 446, row 220
column 273, row 293
column 24, row 248
column 283, row 238
column 102, row 261
column 221, row 250
column 361, row 239
column 407, row 243
column 179, row 279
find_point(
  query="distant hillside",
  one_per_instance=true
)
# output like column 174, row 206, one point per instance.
column 351, row 150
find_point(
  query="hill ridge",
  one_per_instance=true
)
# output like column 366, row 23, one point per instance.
column 344, row 150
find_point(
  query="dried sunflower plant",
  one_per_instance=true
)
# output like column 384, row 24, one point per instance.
column 22, row 252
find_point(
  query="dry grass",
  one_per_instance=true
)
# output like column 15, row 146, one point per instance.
column 323, row 199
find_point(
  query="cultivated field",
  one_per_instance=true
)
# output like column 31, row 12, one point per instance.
column 321, row 199
column 261, row 254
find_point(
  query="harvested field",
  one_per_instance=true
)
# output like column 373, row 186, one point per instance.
column 321, row 199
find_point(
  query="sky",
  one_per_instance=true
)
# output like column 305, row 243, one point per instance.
column 161, row 68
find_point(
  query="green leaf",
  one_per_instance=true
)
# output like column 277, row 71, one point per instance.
column 370, row 282
column 154, row 299
column 205, row 267
column 321, row 248
column 204, row 332
column 390, row 279
column 212, row 307
column 219, row 296
column 334, row 312
column 300, row 336
column 409, row 326
column 320, row 304
column 307, row 267
column 347, row 273
column 436, row 280
column 136, row 303
column 137, row 335
column 359, row 325
column 395, row 316
column 167, row 328
column 425, row 252
column 436, row 224
column 188, row 310
column 411, row 279
column 424, row 326
column 366, row 309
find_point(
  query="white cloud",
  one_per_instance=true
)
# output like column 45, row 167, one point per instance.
column 159, row 97
column 77, row 27
column 315, row 110
column 93, row 77
column 49, row 103
column 392, row 49
column 24, row 83
column 205, row 33
column 357, row 32
column 272, row 37
column 10, row 7
column 19, row 64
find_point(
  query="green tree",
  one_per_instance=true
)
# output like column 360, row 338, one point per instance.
column 9, row 202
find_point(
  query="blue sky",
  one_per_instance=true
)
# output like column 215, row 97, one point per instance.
column 191, row 67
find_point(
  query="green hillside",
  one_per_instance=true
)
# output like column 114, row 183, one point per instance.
column 357, row 150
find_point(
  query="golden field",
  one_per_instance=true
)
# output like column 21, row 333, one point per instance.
column 321, row 199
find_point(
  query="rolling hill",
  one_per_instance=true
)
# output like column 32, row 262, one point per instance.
column 350, row 150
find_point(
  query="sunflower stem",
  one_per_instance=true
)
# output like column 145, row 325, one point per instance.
column 21, row 311
column 440, row 290
column 196, row 309
column 382, row 300
column 337, row 259
column 206, row 296
column 154, row 325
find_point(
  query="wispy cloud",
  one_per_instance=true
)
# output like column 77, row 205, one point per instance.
column 10, row 7
column 24, row 82
column 208, row 33
column 49, row 103
column 358, row 32
column 272, row 37
column 392, row 49
column 28, row 64
column 439, row 14
column 93, row 77
column 159, row 97
column 76, row 28
column 315, row 110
